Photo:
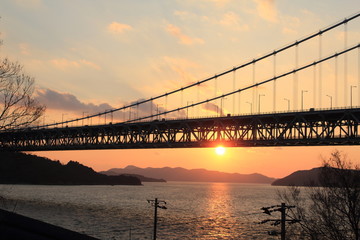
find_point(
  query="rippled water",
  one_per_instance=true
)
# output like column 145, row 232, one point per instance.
column 195, row 210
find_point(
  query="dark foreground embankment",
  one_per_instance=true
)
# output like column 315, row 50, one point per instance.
column 17, row 227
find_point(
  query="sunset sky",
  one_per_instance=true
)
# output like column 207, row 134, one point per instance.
column 90, row 56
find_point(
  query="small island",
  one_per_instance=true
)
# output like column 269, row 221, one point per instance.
column 21, row 168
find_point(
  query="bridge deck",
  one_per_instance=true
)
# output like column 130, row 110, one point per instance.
column 307, row 128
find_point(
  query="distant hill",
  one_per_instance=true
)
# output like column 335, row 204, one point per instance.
column 311, row 177
column 142, row 178
column 300, row 178
column 20, row 168
column 194, row 175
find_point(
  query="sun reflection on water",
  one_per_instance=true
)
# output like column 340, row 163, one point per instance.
column 219, row 211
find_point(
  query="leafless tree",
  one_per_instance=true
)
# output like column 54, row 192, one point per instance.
column 333, row 210
column 18, row 108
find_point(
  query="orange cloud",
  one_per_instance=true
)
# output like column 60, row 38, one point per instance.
column 291, row 24
column 267, row 10
column 232, row 20
column 289, row 31
column 183, row 39
column 64, row 64
column 182, row 63
column 181, row 67
column 24, row 48
column 183, row 14
column 219, row 3
column 90, row 64
column 213, row 108
column 118, row 28
column 29, row 3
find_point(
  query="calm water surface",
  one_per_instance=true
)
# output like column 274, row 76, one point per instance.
column 195, row 210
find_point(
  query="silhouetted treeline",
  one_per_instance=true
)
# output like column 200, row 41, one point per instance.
column 20, row 168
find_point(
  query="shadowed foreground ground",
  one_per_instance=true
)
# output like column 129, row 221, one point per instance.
column 17, row 227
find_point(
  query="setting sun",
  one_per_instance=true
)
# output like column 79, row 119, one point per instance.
column 220, row 150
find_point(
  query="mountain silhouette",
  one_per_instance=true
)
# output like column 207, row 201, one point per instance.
column 300, row 178
column 193, row 175
column 312, row 177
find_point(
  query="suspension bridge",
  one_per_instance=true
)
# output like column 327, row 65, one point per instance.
column 263, row 102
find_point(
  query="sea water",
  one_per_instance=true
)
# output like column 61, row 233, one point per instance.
column 194, row 210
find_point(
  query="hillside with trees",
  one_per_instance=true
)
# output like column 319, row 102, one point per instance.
column 20, row 168
column 300, row 178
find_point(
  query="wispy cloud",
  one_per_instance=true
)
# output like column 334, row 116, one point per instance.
column 55, row 100
column 291, row 24
column 184, row 14
column 64, row 64
column 90, row 64
column 267, row 10
column 24, row 48
column 232, row 20
column 118, row 28
column 219, row 3
column 183, row 38
column 151, row 108
column 190, row 16
column 29, row 3
column 212, row 107
column 289, row 31
column 174, row 72
column 181, row 66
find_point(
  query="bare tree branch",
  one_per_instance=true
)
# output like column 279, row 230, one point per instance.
column 331, row 211
column 18, row 107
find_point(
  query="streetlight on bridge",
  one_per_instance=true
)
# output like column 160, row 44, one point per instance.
column 302, row 99
column 330, row 97
column 221, row 106
column 187, row 108
column 288, row 103
column 260, row 95
column 83, row 116
column 250, row 106
column 158, row 110
column 351, row 93
column 111, row 114
column 62, row 119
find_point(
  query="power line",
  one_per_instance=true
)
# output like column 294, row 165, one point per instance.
column 282, row 221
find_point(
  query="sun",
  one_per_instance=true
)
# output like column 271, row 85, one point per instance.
column 220, row 150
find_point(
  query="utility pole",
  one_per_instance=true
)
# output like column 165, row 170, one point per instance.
column 283, row 220
column 282, row 209
column 155, row 203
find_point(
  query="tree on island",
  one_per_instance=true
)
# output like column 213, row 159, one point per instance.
column 18, row 107
column 331, row 211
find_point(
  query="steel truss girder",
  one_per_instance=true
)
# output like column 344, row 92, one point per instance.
column 308, row 128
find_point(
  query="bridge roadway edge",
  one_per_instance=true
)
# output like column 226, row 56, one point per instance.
column 329, row 127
